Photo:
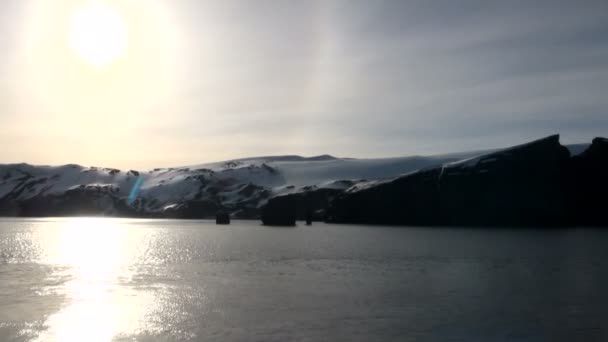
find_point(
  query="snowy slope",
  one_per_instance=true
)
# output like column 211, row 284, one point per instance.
column 239, row 183
column 299, row 171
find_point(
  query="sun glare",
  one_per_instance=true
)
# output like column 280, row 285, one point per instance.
column 109, row 64
column 98, row 34
column 94, row 254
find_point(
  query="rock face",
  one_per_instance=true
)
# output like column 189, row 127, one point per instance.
column 588, row 185
column 411, row 199
column 307, row 205
column 195, row 209
column 222, row 218
column 523, row 185
column 280, row 211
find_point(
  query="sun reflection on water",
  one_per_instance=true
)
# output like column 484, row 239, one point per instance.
column 100, row 301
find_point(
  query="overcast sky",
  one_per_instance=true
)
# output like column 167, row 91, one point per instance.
column 205, row 81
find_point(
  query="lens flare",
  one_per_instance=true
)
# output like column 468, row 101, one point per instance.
column 135, row 190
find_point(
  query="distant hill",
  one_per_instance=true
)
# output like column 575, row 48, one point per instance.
column 239, row 186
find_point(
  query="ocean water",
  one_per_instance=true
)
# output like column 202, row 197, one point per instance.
column 97, row 279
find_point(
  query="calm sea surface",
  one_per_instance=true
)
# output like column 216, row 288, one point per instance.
column 165, row 280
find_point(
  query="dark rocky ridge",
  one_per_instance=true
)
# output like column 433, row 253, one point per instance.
column 302, row 205
column 534, row 184
column 412, row 199
column 538, row 183
column 280, row 211
column 587, row 185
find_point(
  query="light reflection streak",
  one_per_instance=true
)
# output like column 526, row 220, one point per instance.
column 101, row 303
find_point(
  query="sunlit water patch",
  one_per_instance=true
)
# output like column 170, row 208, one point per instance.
column 94, row 279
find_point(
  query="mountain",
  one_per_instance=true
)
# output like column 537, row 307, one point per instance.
column 534, row 184
column 240, row 186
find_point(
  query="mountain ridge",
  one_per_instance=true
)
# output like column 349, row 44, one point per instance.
column 239, row 186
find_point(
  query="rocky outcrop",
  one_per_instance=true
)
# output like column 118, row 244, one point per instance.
column 196, row 209
column 523, row 185
column 411, row 199
column 588, row 185
column 222, row 218
column 9, row 207
column 309, row 204
column 280, row 211
column 529, row 184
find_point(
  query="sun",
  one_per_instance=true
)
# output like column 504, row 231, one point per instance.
column 98, row 34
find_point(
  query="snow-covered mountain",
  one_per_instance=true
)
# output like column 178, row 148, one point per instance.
column 239, row 186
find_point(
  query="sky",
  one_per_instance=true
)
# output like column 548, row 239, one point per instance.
column 156, row 83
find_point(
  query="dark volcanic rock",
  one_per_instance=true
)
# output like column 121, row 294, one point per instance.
column 250, row 189
column 280, row 211
column 198, row 209
column 83, row 200
column 247, row 213
column 522, row 185
column 410, row 199
column 112, row 171
column 313, row 204
column 306, row 205
column 222, row 218
column 9, row 207
column 588, row 185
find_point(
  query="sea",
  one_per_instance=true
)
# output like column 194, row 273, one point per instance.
column 111, row 279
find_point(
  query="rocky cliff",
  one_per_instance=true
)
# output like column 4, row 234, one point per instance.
column 533, row 184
